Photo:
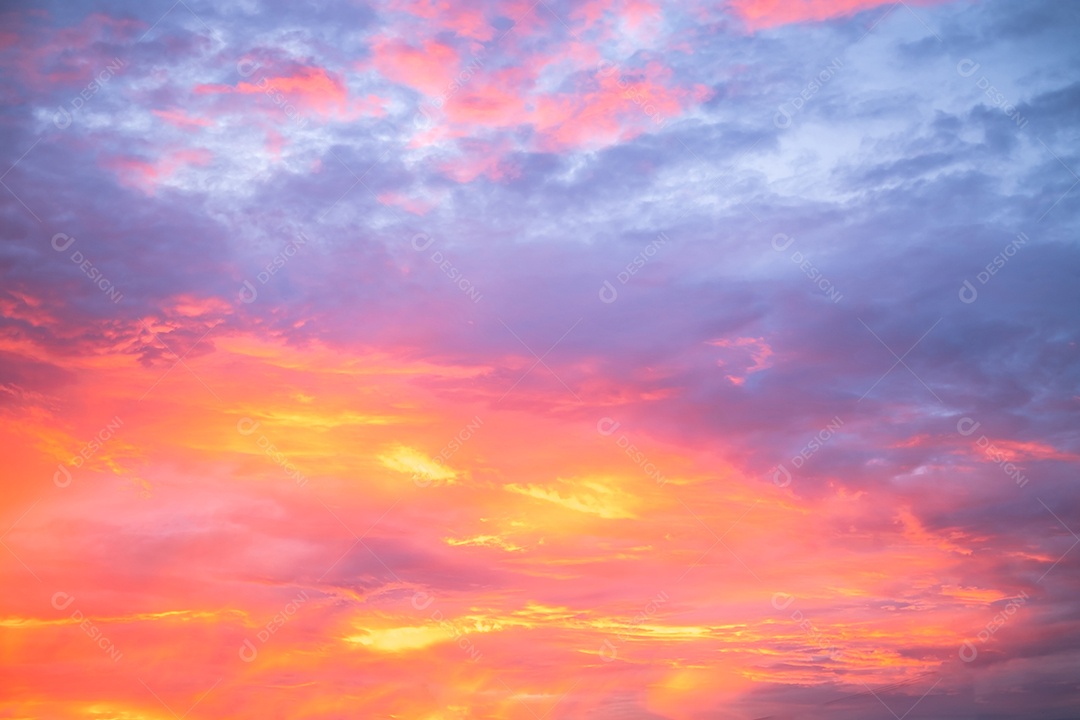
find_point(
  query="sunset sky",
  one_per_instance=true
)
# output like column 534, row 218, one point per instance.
column 540, row 360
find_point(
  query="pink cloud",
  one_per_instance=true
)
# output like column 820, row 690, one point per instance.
column 429, row 68
column 763, row 14
column 497, row 100
column 751, row 354
column 1013, row 450
column 180, row 119
column 639, row 14
column 98, row 36
column 620, row 107
column 480, row 158
column 148, row 176
column 461, row 18
column 313, row 89
column 413, row 205
column 616, row 107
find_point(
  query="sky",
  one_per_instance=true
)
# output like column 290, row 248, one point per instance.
column 540, row 360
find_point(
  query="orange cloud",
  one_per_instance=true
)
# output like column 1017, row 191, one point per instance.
column 584, row 537
column 1013, row 450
